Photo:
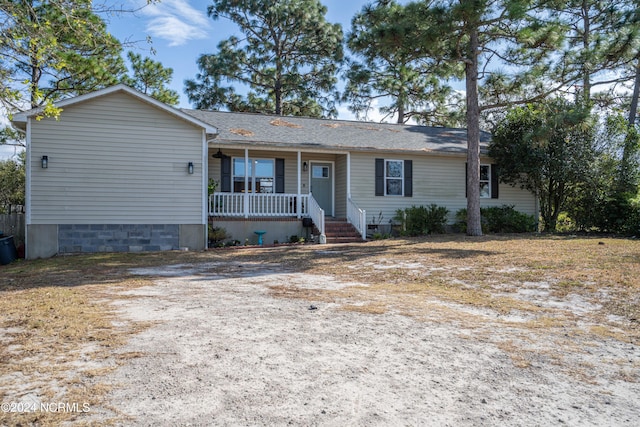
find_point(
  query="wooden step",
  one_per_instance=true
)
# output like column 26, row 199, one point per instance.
column 340, row 231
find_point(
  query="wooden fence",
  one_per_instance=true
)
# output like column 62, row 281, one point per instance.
column 13, row 225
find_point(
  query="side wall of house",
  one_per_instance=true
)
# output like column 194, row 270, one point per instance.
column 436, row 179
column 117, row 179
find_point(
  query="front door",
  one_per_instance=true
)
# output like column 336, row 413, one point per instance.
column 322, row 185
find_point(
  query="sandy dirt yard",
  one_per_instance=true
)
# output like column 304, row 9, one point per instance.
column 248, row 343
column 439, row 331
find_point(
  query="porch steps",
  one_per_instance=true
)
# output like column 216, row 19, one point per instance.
column 340, row 231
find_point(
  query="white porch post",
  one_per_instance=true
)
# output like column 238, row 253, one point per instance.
column 246, row 183
column 299, row 198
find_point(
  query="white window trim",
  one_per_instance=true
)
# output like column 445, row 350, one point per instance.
column 401, row 177
column 252, row 178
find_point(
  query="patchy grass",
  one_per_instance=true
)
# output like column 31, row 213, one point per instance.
column 58, row 332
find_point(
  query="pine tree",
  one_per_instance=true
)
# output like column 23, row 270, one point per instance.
column 288, row 59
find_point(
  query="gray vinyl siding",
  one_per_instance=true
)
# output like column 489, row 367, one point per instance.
column 116, row 160
column 438, row 180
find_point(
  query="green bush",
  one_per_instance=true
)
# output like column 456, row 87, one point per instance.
column 565, row 223
column 499, row 219
column 419, row 221
column 217, row 235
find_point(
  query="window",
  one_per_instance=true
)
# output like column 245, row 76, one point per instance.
column 320, row 171
column 261, row 175
column 393, row 177
column 485, row 181
column 488, row 181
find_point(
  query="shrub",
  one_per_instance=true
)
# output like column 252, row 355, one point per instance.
column 217, row 235
column 418, row 221
column 499, row 219
column 505, row 219
column 565, row 223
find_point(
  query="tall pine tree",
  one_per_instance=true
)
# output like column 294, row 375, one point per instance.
column 484, row 36
column 287, row 59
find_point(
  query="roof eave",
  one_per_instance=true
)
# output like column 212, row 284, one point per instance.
column 313, row 147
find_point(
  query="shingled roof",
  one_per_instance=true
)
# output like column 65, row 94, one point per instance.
column 338, row 135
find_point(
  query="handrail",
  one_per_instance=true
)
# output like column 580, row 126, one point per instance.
column 317, row 216
column 357, row 217
column 258, row 204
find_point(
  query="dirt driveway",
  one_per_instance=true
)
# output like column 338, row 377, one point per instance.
column 248, row 343
column 444, row 331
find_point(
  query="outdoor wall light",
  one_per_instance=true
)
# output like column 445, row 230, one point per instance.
column 190, row 168
column 45, row 162
column 305, row 166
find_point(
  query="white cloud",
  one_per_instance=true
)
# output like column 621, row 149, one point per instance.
column 373, row 115
column 177, row 21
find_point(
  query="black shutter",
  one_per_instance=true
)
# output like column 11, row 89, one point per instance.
column 494, row 181
column 408, row 178
column 379, row 177
column 279, row 175
column 225, row 174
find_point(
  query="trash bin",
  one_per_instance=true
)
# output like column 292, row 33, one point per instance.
column 8, row 252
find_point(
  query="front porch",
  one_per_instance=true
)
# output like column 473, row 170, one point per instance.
column 250, row 194
column 279, row 208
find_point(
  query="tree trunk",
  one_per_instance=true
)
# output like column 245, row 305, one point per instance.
column 474, row 225
column 278, row 97
column 400, row 103
column 586, row 67
column 34, row 64
column 400, row 114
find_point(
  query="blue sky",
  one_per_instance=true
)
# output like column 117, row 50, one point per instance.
column 181, row 31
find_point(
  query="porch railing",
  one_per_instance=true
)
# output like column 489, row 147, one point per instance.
column 357, row 217
column 317, row 216
column 259, row 205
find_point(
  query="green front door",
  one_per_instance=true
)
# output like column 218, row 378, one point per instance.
column 322, row 185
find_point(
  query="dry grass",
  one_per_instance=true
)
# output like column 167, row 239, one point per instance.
column 59, row 336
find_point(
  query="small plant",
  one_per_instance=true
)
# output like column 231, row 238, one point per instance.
column 212, row 186
column 217, row 235
column 378, row 220
column 565, row 223
column 381, row 236
column 375, row 222
column 419, row 221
